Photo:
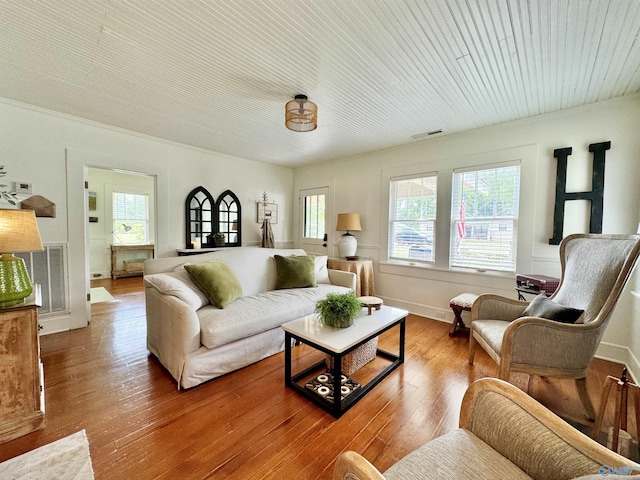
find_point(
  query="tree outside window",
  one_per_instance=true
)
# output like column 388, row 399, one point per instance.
column 484, row 218
column 412, row 215
column 130, row 219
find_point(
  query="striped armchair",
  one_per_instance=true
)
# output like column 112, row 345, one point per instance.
column 504, row 433
column 595, row 269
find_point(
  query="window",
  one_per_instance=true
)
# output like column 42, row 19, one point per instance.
column 314, row 216
column 130, row 219
column 484, row 217
column 412, row 215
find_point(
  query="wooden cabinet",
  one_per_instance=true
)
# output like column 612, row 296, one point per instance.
column 129, row 269
column 22, row 392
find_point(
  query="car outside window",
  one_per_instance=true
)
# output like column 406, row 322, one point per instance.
column 412, row 215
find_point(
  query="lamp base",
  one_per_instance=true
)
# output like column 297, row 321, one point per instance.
column 15, row 284
column 347, row 245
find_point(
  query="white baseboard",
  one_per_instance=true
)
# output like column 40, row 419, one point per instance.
column 622, row 355
column 434, row 313
column 606, row 351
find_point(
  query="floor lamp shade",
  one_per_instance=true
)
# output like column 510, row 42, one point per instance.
column 347, row 243
column 19, row 233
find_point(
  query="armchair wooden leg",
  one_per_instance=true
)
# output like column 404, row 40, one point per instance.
column 581, row 385
column 472, row 347
column 609, row 381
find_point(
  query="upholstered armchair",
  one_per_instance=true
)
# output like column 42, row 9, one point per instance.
column 504, row 433
column 595, row 269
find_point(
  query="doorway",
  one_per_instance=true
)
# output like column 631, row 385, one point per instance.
column 121, row 213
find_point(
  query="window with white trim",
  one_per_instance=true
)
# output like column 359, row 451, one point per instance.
column 412, row 216
column 484, row 217
column 314, row 216
column 130, row 218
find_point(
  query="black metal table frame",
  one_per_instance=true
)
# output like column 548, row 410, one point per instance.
column 338, row 406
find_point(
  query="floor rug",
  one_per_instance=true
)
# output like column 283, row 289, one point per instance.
column 100, row 294
column 64, row 459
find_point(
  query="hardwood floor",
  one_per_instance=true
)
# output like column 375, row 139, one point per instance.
column 247, row 425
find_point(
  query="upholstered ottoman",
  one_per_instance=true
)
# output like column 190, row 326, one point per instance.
column 459, row 304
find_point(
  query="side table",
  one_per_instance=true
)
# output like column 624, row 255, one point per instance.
column 363, row 268
column 115, row 272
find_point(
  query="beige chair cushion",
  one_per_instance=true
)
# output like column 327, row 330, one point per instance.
column 457, row 455
column 464, row 300
column 492, row 331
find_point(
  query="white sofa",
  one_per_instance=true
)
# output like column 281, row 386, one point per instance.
column 196, row 341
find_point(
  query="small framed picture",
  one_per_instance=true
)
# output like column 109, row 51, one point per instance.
column 267, row 210
column 92, row 200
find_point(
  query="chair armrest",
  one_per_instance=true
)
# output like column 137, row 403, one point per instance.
column 353, row 466
column 531, row 436
column 496, row 307
column 565, row 349
column 342, row 278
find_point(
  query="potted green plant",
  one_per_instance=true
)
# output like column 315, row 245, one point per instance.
column 339, row 309
column 218, row 239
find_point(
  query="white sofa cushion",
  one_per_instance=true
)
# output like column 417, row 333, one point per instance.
column 322, row 273
column 178, row 284
column 253, row 314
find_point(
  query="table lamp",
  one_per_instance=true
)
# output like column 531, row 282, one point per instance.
column 347, row 243
column 18, row 233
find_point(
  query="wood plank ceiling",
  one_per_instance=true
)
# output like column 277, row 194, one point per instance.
column 216, row 74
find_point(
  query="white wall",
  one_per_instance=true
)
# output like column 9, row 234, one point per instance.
column 361, row 185
column 53, row 152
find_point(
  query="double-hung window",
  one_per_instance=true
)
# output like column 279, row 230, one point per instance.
column 412, row 216
column 484, row 217
column 130, row 218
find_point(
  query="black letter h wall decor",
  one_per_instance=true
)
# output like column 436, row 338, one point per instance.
column 596, row 195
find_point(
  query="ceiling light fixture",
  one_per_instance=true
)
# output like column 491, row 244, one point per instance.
column 301, row 115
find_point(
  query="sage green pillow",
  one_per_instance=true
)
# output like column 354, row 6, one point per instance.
column 216, row 280
column 296, row 271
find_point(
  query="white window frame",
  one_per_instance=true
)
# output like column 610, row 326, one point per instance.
column 531, row 225
column 419, row 247
column 498, row 251
column 119, row 234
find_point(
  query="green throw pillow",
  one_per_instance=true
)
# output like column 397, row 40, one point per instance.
column 295, row 271
column 217, row 281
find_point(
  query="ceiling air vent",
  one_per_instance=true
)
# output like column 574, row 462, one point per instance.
column 425, row 134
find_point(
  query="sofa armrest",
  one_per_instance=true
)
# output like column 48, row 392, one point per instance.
column 343, row 279
column 529, row 435
column 353, row 466
column 173, row 330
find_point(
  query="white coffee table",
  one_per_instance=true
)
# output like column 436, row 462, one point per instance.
column 339, row 342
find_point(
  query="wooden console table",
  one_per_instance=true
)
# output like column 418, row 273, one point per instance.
column 22, row 392
column 115, row 273
column 363, row 268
